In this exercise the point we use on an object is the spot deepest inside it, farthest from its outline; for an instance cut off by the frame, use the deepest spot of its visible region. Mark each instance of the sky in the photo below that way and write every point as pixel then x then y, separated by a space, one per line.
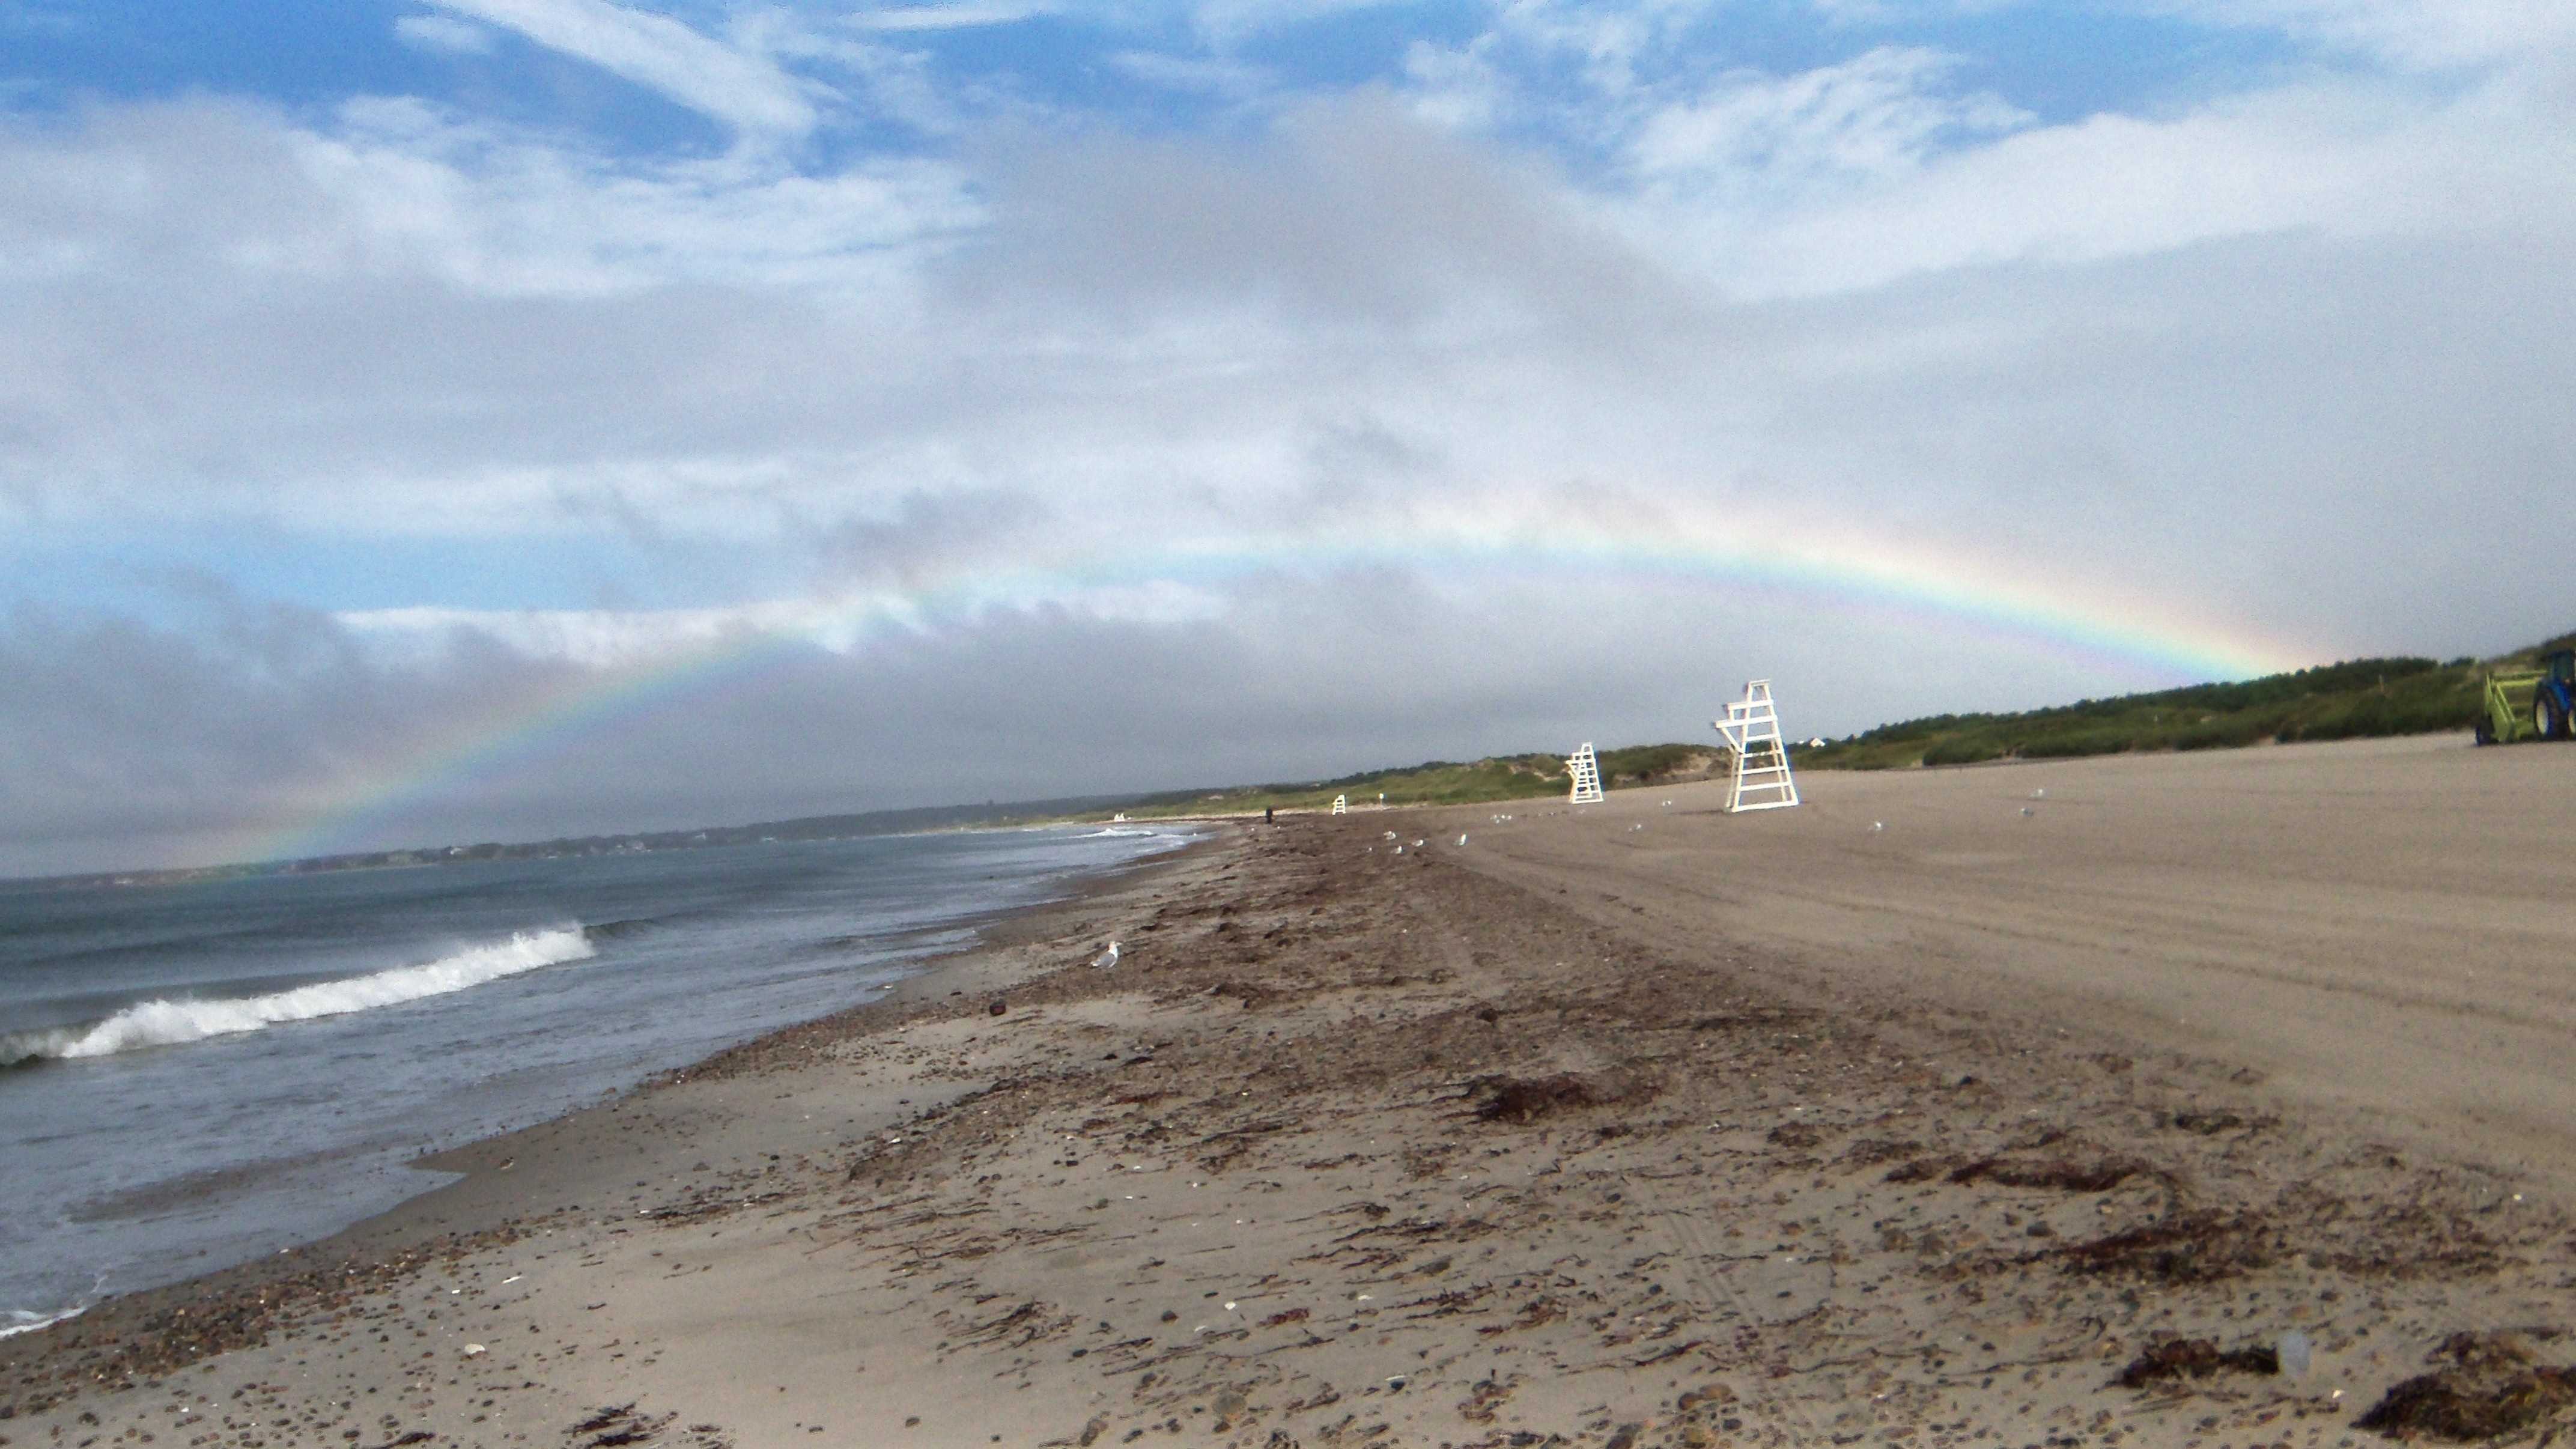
pixel 428 421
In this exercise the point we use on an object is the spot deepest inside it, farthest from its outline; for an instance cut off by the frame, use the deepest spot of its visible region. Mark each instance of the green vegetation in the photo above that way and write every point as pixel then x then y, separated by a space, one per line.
pixel 2362 697
pixel 2354 699
pixel 1443 782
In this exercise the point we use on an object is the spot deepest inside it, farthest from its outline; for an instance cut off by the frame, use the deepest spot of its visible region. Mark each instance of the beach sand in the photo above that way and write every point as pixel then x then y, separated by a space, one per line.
pixel 2045 1104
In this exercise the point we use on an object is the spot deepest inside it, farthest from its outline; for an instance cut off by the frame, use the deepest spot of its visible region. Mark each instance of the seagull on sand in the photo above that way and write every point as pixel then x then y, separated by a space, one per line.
pixel 1108 957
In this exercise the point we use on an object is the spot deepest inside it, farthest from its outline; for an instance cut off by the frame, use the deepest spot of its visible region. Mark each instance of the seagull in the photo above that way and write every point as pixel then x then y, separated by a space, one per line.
pixel 1108 957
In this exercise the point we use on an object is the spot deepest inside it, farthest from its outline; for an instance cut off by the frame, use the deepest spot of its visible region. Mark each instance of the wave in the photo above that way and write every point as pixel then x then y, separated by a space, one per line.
pixel 15 1321
pixel 19 1320
pixel 1113 830
pixel 632 926
pixel 168 1023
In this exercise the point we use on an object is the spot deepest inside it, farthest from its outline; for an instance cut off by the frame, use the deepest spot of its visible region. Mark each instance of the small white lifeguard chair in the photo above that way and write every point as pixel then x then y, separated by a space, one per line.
pixel 1752 730
pixel 1341 804
pixel 1584 768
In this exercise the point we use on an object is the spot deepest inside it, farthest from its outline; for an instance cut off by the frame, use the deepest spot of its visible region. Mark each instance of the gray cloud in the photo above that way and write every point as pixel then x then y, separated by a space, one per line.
pixel 161 744
pixel 1340 344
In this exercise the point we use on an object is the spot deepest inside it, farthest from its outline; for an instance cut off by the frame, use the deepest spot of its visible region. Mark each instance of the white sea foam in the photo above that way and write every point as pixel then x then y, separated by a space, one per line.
pixel 19 1320
pixel 166 1023
pixel 1113 830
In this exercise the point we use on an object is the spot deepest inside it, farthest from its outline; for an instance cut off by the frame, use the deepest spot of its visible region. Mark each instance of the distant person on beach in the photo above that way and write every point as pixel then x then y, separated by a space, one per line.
pixel 1267 814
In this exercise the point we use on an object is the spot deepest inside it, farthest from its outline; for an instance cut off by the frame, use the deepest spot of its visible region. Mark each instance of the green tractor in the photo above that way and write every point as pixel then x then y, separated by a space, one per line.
pixel 2532 704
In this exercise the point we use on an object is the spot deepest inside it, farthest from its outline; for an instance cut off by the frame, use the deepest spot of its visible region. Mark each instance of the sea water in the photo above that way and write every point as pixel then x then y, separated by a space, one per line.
pixel 195 1075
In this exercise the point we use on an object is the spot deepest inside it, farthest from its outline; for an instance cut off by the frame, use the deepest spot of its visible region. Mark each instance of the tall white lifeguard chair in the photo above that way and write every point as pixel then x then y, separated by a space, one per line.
pixel 1341 804
pixel 1752 730
pixel 1584 768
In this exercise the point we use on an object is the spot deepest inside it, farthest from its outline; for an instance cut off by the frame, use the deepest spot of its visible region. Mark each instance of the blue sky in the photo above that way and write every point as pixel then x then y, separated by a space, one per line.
pixel 1149 69
pixel 387 372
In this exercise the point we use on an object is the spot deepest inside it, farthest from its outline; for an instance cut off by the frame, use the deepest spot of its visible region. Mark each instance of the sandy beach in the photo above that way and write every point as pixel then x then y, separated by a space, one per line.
pixel 2205 1100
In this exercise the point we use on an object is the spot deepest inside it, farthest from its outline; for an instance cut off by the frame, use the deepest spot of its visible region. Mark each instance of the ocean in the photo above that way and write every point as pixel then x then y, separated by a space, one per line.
pixel 192 1076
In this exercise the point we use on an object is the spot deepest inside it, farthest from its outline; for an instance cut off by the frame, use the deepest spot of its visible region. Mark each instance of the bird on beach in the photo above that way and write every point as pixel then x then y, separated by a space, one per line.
pixel 1108 957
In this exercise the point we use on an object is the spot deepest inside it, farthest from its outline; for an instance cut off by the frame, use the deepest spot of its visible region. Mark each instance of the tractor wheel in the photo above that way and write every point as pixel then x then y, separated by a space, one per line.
pixel 2544 721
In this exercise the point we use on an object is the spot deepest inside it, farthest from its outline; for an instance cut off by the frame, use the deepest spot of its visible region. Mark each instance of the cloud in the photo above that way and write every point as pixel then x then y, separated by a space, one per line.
pixel 2331 156
pixel 742 89
pixel 1225 79
pixel 1542 393
pixel 1225 25
pixel 260 729
pixel 1874 117
pixel 1456 88
pixel 967 16
pixel 222 263
pixel 2431 34
pixel 166 743
pixel 439 32
pixel 1891 12
pixel 1350 214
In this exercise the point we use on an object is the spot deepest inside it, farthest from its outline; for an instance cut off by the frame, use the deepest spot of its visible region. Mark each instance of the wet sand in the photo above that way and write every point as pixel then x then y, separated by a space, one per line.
pixel 2025 1105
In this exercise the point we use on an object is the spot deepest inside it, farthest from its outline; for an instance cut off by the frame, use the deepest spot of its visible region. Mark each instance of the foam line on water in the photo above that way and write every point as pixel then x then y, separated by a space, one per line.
pixel 168 1023
pixel 20 1321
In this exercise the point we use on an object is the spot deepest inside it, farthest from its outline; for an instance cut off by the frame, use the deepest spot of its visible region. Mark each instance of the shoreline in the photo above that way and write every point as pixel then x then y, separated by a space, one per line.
pixel 392 1228
pixel 1510 1143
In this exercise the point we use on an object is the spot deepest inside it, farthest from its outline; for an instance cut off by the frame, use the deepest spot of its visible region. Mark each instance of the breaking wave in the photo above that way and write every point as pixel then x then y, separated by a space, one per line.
pixel 18 1320
pixel 1114 830
pixel 168 1023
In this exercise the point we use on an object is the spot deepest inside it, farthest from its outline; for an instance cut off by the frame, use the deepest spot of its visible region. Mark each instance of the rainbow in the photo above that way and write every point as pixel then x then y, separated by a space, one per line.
pixel 2132 640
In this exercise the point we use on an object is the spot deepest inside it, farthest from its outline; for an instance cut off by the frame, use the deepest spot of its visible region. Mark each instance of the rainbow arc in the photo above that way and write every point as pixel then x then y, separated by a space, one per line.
pixel 1973 598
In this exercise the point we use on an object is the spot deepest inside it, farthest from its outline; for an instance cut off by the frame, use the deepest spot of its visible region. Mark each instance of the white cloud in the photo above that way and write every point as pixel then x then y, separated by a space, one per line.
pixel 1224 25
pixel 1877 116
pixel 2337 157
pixel 744 90
pixel 1616 46
pixel 1890 12
pixel 1224 79
pixel 964 16
pixel 837 623
pixel 499 211
pixel 1457 88
pixel 443 33
pixel 2414 33
pixel 1274 428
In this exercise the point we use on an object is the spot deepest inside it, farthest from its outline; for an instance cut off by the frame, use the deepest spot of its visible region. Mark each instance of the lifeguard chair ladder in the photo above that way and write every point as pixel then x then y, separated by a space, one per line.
pixel 1584 768
pixel 1341 804
pixel 1752 730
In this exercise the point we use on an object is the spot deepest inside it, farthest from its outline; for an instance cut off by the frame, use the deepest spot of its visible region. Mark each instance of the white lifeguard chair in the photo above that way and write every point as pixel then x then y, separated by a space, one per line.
pixel 1584 768
pixel 1752 730
pixel 1341 804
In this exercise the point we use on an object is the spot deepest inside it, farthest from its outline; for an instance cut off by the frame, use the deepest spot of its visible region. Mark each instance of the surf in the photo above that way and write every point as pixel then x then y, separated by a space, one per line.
pixel 167 1022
